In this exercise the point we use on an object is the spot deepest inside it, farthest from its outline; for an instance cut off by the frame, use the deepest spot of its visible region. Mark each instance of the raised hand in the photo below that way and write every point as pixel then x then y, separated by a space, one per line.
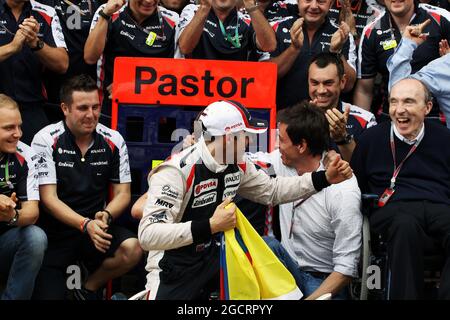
pixel 18 41
pixel 415 33
pixel 338 170
pixel 113 6
pixel 30 29
pixel 331 154
pixel 206 3
pixel 296 32
pixel 444 48
pixel 339 38
pixel 346 15
pixel 337 122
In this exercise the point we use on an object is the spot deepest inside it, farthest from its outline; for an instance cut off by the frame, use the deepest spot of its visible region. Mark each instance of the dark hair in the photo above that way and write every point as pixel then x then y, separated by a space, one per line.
pixel 323 59
pixel 306 121
pixel 81 82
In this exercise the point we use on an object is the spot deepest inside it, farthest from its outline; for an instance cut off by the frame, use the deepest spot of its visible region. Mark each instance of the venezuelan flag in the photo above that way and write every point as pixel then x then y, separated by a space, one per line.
pixel 249 270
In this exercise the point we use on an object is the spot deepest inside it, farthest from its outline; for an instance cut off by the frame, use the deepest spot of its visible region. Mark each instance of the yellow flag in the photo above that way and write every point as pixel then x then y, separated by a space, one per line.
pixel 253 270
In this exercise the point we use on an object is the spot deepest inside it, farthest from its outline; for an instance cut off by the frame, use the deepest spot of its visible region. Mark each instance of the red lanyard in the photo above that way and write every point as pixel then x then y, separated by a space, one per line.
pixel 397 169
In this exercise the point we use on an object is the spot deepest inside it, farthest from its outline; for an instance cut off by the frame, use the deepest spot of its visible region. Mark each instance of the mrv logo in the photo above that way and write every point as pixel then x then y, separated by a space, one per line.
pixel 163 203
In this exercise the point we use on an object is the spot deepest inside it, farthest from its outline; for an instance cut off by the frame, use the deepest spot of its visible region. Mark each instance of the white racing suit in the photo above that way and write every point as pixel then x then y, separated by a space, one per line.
pixel 183 194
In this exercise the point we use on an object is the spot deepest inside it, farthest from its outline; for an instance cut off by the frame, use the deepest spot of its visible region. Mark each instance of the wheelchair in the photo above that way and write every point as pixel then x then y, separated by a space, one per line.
pixel 374 257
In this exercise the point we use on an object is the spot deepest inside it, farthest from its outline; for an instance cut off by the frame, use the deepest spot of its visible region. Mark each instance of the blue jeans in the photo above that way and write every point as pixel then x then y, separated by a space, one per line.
pixel 306 282
pixel 21 252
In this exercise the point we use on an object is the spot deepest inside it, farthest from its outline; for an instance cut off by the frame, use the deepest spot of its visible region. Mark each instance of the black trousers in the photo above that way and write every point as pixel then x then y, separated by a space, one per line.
pixel 410 229
pixel 192 278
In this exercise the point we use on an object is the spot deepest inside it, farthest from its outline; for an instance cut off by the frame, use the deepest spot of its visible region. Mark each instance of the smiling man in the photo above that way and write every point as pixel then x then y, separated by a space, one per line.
pixel 321 233
pixel 298 39
pixel 216 29
pixel 135 28
pixel 22 244
pixel 82 158
pixel 326 80
pixel 31 41
pixel 415 198
pixel 185 208
pixel 381 37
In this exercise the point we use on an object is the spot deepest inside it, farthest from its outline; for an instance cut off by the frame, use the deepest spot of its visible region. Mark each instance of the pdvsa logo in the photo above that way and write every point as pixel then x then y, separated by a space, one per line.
pixel 205 186
pixel 234 126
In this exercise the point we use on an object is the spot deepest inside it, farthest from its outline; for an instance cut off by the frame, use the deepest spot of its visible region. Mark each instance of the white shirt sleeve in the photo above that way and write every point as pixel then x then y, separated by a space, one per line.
pixel 42 145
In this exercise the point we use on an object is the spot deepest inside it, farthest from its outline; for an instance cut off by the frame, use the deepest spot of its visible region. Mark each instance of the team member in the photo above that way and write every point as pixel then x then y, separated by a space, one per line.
pixel 30 40
pixel 326 80
pixel 82 158
pixel 187 196
pixel 381 37
pixel 174 5
pixel 75 17
pixel 218 30
pixel 362 11
pixel 309 35
pixel 139 28
pixel 276 10
pixel 320 234
pixel 22 244
pixel 434 75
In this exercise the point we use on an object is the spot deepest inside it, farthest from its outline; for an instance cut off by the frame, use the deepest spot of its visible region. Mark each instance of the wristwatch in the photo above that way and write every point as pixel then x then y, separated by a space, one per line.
pixel 14 219
pixel 348 138
pixel 39 45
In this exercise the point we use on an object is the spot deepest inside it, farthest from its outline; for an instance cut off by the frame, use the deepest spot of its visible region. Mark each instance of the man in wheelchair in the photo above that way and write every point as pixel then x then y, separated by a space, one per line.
pixel 406 162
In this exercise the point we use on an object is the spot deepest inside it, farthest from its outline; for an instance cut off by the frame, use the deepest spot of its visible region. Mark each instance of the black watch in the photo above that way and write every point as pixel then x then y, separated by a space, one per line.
pixel 14 219
pixel 39 45
pixel 348 138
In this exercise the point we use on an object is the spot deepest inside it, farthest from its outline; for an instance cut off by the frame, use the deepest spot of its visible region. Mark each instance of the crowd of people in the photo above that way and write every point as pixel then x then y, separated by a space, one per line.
pixel 362 107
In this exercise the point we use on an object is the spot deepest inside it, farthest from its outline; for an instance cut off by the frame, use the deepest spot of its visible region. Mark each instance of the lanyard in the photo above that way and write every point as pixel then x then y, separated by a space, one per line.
pixel 391 28
pixel 233 40
pixel 294 207
pixel 161 37
pixel 397 169
pixel 6 29
pixel 7 183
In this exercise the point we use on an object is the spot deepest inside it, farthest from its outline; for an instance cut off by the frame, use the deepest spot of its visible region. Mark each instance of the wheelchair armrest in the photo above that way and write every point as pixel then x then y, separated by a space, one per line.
pixel 369 203
pixel 369 196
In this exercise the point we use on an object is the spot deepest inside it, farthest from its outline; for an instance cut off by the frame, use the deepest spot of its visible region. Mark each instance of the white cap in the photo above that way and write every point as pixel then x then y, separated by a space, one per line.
pixel 222 117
